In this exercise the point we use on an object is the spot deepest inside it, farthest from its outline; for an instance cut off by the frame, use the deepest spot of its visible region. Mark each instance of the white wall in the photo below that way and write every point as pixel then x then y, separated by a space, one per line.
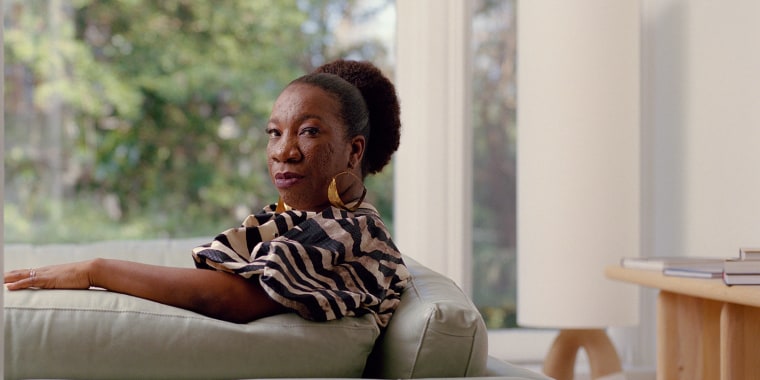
pixel 700 133
pixel 701 102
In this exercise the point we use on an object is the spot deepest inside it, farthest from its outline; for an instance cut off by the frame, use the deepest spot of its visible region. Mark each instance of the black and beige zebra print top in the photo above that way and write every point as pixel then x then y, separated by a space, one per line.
pixel 324 265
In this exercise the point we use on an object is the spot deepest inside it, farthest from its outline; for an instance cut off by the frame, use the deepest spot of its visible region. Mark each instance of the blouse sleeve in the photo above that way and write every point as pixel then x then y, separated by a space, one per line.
pixel 326 266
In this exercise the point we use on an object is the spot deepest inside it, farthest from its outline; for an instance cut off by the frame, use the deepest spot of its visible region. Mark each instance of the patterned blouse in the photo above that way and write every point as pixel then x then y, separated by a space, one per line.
pixel 323 265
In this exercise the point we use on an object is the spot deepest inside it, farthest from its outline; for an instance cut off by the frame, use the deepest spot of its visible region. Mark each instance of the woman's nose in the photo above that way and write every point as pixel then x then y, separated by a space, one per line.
pixel 287 149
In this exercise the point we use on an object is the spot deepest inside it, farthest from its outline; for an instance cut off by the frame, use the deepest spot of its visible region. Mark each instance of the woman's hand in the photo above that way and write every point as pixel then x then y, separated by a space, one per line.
pixel 64 276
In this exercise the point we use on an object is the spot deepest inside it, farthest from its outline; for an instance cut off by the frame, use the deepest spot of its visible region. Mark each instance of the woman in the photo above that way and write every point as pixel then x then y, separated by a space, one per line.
pixel 321 251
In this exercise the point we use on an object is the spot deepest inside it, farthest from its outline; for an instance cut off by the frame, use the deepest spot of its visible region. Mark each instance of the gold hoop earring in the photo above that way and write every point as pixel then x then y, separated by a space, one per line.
pixel 334 197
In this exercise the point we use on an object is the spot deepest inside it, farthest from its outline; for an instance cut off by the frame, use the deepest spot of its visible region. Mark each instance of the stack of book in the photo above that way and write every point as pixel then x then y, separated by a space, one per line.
pixel 698 267
pixel 744 270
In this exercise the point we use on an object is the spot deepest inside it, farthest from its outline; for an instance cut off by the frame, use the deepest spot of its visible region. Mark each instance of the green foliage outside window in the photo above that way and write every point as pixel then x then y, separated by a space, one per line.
pixel 144 119
pixel 494 157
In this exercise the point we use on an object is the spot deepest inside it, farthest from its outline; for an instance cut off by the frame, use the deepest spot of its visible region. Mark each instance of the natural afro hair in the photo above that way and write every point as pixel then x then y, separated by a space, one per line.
pixel 382 105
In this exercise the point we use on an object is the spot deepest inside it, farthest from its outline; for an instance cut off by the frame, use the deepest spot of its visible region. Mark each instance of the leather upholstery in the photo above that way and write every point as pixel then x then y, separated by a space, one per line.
pixel 436 331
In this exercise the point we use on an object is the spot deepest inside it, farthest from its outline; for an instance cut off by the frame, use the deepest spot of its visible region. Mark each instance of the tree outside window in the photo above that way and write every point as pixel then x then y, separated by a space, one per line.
pixel 144 119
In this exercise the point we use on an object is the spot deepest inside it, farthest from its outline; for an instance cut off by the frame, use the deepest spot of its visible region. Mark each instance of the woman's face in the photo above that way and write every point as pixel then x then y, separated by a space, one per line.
pixel 308 146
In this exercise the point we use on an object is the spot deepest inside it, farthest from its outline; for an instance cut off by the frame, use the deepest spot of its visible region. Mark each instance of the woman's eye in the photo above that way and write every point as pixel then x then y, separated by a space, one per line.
pixel 310 131
pixel 272 132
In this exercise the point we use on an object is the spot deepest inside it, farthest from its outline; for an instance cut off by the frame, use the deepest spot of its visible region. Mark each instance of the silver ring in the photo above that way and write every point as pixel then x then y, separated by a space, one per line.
pixel 32 274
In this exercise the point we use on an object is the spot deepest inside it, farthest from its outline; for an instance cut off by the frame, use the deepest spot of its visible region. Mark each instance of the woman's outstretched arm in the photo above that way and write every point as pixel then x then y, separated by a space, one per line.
pixel 218 295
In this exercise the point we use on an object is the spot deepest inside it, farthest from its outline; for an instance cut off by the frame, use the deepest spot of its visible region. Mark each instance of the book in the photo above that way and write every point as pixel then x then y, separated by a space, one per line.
pixel 709 264
pixel 710 271
pixel 735 266
pixel 741 279
pixel 749 254
pixel 734 271
pixel 744 270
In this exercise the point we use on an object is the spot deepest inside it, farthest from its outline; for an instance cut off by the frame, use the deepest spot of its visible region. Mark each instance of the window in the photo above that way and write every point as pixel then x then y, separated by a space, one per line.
pixel 449 55
pixel 494 174
pixel 144 119
pixel 455 169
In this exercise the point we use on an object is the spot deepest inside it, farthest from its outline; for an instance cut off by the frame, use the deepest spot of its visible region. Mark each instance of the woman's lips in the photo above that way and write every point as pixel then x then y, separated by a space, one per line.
pixel 287 179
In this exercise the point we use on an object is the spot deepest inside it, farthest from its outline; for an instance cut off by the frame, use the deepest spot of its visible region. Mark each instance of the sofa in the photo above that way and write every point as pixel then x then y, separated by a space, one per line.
pixel 96 334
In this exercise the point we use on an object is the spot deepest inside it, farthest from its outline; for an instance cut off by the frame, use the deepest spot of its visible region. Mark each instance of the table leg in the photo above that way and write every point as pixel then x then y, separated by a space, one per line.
pixel 688 337
pixel 740 342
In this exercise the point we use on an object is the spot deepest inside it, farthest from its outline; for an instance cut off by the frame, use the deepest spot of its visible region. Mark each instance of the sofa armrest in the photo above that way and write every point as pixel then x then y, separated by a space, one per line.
pixel 435 332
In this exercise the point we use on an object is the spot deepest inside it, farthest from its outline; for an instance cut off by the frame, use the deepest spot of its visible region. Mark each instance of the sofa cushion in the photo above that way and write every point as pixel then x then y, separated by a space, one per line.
pixel 436 332
pixel 101 334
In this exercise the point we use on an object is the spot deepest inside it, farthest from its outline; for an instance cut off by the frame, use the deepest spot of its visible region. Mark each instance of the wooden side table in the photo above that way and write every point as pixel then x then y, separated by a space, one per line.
pixel 705 329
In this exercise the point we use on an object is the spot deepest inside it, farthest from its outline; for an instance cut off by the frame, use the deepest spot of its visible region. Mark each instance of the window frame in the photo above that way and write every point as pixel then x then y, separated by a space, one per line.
pixel 2 190
pixel 432 166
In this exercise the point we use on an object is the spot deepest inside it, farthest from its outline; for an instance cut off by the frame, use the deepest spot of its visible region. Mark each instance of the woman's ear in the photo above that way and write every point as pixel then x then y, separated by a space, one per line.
pixel 358 144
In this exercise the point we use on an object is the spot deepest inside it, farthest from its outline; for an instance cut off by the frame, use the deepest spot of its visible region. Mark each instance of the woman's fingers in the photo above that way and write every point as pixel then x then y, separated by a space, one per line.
pixel 19 274
pixel 64 276
pixel 20 278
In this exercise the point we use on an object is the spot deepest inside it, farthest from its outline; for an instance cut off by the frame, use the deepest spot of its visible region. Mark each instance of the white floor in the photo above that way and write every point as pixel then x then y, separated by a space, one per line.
pixel 583 373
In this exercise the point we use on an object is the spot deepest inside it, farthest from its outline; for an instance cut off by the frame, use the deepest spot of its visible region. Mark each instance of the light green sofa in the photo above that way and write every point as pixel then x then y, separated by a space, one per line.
pixel 76 334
